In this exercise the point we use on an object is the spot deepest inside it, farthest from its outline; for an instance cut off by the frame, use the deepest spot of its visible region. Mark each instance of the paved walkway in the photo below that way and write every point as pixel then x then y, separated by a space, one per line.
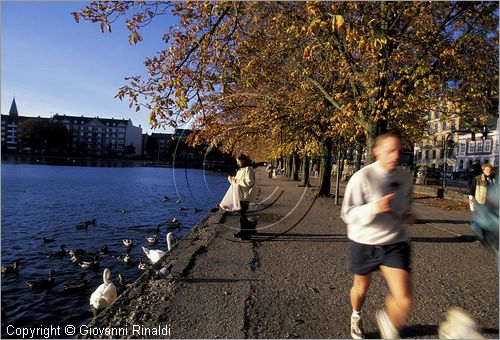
pixel 292 279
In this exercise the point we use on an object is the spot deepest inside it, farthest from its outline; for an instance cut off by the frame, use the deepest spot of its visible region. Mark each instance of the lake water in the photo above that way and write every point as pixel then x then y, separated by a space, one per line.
pixel 127 203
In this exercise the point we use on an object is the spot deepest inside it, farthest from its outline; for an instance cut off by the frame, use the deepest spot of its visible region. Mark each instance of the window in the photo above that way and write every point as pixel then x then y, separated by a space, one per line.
pixel 461 148
pixel 479 147
pixel 436 127
pixel 426 154
pixel 429 115
pixel 487 145
pixel 444 126
pixel 433 154
pixel 436 114
pixel 472 147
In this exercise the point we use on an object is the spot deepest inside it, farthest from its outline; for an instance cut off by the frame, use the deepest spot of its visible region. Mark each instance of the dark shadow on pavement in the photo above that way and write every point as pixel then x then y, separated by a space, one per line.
pixel 420 331
pixel 263 236
pixel 214 280
pixel 490 331
pixel 444 221
pixel 457 239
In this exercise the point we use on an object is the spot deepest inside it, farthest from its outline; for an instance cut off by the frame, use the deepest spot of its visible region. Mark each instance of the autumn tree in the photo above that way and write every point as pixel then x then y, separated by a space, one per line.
pixel 322 74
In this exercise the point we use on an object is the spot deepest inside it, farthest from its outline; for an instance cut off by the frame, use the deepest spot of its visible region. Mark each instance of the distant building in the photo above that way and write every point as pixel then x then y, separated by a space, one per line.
pixel 482 150
pixel 13 108
pixel 102 136
pixel 461 151
pixel 172 147
pixel 10 131
pixel 158 146
pixel 430 151
pixel 88 136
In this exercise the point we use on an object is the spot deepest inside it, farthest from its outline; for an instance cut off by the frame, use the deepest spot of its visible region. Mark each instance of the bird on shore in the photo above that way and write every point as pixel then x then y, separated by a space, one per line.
pixel 43 283
pixel 105 294
pixel 121 281
pixel 142 265
pixel 48 240
pixel 14 268
pixel 155 255
pixel 163 272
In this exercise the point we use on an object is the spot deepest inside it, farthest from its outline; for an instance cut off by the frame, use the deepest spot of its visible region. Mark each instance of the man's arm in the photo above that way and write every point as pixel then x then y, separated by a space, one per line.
pixel 355 208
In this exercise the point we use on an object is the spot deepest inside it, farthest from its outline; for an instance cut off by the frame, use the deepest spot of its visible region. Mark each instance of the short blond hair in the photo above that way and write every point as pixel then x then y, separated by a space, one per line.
pixel 488 165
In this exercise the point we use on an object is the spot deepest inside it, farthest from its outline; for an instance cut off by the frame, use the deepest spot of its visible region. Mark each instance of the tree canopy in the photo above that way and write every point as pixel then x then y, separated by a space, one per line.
pixel 273 78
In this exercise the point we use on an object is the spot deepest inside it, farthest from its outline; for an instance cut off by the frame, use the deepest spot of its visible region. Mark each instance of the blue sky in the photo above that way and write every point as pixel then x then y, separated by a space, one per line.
pixel 51 64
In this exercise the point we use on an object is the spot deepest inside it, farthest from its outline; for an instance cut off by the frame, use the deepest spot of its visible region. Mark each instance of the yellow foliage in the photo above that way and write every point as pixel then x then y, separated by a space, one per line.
pixel 337 22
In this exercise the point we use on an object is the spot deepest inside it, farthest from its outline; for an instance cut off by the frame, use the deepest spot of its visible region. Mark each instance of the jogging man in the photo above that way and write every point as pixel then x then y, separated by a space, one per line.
pixel 376 207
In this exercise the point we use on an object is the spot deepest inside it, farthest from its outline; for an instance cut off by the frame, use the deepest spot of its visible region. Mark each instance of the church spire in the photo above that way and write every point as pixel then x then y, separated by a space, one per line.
pixel 13 108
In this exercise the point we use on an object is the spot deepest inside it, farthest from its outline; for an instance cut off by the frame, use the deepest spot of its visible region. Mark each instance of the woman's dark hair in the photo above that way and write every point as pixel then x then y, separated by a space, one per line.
pixel 245 161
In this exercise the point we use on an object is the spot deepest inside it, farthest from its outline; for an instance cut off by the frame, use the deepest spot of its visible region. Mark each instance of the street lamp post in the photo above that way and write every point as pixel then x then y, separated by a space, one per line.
pixel 445 165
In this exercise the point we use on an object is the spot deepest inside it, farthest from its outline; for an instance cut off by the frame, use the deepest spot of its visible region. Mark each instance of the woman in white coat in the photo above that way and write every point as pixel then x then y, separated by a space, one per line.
pixel 245 178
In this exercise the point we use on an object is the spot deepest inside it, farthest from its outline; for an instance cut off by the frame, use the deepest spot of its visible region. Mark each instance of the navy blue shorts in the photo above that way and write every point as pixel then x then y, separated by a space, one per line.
pixel 366 258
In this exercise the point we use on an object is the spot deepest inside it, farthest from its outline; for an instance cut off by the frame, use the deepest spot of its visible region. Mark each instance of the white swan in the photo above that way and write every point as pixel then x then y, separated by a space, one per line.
pixel 156 254
pixel 105 294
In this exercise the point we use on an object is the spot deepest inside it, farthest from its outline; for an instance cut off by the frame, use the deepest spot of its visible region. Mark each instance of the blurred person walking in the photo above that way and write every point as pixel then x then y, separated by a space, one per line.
pixel 376 207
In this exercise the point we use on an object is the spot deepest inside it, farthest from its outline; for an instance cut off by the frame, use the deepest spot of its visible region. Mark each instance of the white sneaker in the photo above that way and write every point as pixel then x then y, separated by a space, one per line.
pixel 357 327
pixel 385 326
pixel 459 325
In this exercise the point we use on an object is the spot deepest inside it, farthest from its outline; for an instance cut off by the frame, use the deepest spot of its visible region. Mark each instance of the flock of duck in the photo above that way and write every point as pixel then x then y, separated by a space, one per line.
pixel 106 292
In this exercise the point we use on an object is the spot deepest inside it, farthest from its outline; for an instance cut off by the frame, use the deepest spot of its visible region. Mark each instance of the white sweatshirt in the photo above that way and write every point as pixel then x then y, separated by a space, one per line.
pixel 364 189
pixel 245 178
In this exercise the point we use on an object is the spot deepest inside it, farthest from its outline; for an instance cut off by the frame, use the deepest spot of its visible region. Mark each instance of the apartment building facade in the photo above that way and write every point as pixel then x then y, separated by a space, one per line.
pixel 89 136
pixel 102 136
pixel 446 141
pixel 483 149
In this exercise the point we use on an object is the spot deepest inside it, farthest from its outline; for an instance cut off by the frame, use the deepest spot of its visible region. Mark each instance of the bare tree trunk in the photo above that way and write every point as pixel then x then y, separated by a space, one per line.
pixel 295 166
pixel 325 167
pixel 359 156
pixel 372 130
pixel 305 171
pixel 337 182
